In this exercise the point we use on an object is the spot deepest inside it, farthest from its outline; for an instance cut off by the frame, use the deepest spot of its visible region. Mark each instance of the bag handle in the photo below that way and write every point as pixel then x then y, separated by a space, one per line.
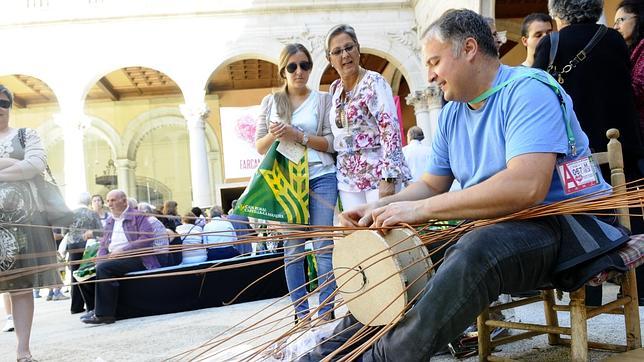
pixel 21 138
pixel 580 57
pixel 188 233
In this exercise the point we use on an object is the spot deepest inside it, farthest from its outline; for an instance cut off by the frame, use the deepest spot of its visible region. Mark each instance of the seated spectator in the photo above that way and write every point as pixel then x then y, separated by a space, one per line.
pixel 170 217
pixel 125 230
pixel 162 235
pixel 171 220
pixel 99 208
pixel 190 235
pixel 242 228
pixel 416 154
pixel 201 218
pixel 219 231
pixel 87 225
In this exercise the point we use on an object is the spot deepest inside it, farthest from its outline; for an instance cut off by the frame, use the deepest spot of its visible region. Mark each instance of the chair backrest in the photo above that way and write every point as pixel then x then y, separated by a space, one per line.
pixel 615 160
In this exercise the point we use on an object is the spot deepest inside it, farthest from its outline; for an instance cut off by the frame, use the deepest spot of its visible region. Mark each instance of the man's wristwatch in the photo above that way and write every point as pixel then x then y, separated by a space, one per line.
pixel 305 138
pixel 390 180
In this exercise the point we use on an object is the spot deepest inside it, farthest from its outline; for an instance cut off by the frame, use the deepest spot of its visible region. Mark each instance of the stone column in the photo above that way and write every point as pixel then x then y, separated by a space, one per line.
pixel 427 106
pixel 196 115
pixel 73 126
pixel 126 175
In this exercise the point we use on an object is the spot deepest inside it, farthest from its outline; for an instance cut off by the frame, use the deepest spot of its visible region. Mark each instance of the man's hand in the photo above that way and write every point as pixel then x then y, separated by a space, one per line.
pixel 358 217
pixel 89 234
pixel 386 189
pixel 410 212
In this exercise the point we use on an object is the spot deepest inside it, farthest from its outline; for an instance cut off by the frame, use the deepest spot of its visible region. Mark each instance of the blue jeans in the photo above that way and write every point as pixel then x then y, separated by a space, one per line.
pixel 322 199
pixel 502 258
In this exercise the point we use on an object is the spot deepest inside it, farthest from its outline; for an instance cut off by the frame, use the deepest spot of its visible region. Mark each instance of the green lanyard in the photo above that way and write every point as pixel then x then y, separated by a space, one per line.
pixel 549 82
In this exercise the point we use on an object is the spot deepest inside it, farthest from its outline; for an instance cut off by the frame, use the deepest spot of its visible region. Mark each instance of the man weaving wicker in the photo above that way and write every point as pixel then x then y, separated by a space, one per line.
pixel 512 140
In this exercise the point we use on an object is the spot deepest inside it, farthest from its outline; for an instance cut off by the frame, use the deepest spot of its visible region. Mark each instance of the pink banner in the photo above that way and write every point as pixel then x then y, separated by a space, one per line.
pixel 400 120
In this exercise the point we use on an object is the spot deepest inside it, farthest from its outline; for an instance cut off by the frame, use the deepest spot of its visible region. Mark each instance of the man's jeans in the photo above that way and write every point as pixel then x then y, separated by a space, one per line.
pixel 502 258
pixel 322 199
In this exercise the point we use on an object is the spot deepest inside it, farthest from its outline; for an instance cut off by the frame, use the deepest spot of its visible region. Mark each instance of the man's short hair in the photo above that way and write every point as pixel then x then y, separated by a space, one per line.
pixel 544 18
pixel 576 11
pixel 415 133
pixel 456 25
pixel 118 193
pixel 216 211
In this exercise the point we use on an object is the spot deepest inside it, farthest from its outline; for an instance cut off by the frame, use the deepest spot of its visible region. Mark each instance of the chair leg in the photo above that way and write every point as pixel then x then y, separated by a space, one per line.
pixel 483 335
pixel 631 311
pixel 551 315
pixel 578 325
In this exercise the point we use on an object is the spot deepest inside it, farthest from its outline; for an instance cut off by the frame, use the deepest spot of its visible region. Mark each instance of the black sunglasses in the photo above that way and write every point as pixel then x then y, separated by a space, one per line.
pixel 5 103
pixel 292 67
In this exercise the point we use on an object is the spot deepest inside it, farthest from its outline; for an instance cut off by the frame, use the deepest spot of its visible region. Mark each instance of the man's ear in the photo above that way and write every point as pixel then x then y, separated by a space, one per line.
pixel 470 48
pixel 524 41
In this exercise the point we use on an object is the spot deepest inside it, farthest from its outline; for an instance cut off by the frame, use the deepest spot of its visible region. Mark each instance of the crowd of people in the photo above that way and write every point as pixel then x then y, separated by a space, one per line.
pixel 502 135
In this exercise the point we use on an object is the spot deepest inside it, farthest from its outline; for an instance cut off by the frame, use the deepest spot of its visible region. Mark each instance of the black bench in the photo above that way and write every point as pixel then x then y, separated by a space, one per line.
pixel 179 293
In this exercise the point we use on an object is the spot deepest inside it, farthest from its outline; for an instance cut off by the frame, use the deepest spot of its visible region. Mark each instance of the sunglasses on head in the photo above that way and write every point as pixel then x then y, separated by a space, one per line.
pixel 5 103
pixel 292 67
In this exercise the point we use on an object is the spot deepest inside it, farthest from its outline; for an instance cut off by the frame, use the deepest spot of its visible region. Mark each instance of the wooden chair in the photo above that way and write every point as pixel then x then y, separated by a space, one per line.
pixel 627 304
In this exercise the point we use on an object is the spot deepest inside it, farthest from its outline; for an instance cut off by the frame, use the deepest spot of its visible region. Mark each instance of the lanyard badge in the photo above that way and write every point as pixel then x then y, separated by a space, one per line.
pixel 577 174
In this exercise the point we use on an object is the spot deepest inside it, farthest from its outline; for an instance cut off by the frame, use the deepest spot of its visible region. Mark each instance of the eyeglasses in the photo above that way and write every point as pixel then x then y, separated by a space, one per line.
pixel 623 19
pixel 292 67
pixel 338 51
pixel 5 103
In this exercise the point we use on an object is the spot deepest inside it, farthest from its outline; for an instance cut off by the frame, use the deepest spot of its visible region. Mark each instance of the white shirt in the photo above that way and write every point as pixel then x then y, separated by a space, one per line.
pixel 306 118
pixel 119 240
pixel 417 156
pixel 188 237
pixel 219 231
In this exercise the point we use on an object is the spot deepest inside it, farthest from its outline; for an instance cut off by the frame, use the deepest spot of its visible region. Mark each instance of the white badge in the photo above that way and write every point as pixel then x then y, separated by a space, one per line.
pixel 291 150
pixel 577 175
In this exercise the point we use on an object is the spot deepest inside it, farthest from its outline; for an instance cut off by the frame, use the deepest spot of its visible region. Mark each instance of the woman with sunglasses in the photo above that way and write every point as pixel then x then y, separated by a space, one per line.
pixel 364 118
pixel 301 115
pixel 26 241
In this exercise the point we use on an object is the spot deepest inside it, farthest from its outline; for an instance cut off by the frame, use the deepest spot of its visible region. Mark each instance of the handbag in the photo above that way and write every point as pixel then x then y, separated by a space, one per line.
pixel 48 195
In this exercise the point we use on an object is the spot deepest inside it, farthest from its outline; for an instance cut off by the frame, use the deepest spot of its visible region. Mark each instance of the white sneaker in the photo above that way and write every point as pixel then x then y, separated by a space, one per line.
pixel 8 325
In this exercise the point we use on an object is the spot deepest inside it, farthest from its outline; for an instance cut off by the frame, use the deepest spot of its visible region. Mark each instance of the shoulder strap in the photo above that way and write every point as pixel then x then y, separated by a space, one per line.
pixel 580 57
pixel 188 234
pixel 599 34
pixel 554 44
pixel 21 137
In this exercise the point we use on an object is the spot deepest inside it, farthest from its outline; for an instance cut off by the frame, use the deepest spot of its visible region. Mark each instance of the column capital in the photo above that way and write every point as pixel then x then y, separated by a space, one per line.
pixel 422 100
pixel 195 113
pixel 125 163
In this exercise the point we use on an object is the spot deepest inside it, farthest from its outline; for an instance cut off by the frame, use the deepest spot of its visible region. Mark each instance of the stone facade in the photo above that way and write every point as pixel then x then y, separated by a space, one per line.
pixel 71 44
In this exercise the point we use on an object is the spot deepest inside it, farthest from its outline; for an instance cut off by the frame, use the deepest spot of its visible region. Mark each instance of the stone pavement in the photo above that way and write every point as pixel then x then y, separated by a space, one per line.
pixel 59 336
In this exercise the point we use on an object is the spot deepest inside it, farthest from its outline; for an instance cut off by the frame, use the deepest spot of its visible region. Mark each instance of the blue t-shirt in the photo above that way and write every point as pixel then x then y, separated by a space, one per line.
pixel 523 117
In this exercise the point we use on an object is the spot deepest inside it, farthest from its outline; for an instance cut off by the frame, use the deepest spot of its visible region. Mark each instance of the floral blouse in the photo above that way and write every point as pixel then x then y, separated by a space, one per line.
pixel 367 135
